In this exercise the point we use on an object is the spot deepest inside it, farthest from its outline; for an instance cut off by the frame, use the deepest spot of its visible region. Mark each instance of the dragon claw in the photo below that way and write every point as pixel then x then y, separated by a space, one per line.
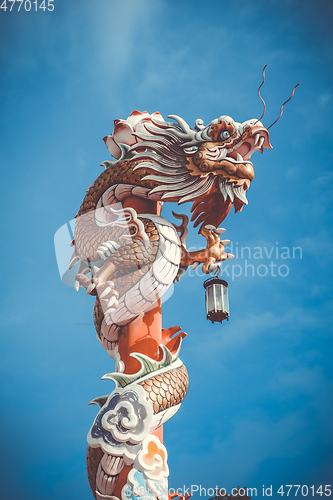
pixel 107 296
pixel 213 267
pixel 212 254
pixel 105 293
pixel 219 230
pixel 195 265
pixel 82 279
pixel 90 287
pixel 113 301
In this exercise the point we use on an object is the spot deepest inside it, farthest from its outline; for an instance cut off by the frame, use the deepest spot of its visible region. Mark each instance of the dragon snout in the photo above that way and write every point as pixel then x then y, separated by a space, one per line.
pixel 245 171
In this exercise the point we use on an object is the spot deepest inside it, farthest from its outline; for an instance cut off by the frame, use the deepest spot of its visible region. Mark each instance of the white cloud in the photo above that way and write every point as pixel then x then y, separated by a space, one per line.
pixel 324 98
pixel 119 28
pixel 319 244
pixel 290 329
pixel 258 438
pixel 299 380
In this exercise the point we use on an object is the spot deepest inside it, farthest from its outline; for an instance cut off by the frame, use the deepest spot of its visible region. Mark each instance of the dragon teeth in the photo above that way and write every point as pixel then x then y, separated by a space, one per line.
pixel 223 154
pixel 239 157
pixel 256 138
pixel 261 142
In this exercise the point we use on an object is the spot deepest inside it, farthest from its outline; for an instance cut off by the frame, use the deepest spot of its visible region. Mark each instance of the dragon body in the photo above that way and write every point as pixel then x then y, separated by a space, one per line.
pixel 128 257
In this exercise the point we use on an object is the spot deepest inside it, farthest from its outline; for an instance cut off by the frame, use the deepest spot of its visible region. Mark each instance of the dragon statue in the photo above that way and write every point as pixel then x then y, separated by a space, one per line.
pixel 128 255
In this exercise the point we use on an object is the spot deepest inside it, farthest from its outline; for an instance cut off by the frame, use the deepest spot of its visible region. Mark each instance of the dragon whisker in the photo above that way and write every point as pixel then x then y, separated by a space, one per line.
pixel 283 105
pixel 262 83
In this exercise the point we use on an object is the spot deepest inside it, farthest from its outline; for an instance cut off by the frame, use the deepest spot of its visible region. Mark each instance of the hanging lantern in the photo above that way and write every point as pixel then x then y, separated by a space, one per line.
pixel 217 304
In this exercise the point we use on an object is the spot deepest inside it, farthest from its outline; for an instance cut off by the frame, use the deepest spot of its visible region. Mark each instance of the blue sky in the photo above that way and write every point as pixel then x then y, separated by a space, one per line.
pixel 259 405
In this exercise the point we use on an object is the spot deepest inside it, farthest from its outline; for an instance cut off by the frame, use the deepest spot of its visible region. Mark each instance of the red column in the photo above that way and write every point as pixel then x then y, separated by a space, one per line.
pixel 144 333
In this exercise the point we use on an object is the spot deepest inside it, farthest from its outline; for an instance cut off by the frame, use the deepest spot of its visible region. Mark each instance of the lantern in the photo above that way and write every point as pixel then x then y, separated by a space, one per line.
pixel 217 304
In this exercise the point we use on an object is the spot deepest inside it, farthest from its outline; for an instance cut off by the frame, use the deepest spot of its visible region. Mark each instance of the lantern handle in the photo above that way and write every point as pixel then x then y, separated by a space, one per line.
pixel 217 272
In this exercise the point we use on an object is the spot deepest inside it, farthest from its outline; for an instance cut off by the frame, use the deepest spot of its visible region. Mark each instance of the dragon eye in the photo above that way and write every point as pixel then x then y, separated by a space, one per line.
pixel 225 134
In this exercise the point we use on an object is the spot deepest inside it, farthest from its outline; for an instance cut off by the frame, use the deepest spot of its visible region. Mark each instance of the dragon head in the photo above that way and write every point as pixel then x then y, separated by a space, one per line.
pixel 207 165
pixel 221 152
